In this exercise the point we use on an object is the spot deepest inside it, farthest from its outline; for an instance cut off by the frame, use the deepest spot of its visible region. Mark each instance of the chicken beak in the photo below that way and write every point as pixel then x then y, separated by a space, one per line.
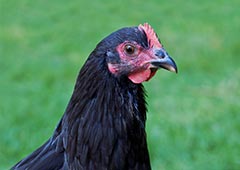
pixel 163 60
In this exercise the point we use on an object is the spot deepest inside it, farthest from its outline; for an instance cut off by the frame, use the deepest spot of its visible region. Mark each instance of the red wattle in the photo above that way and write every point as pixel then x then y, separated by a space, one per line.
pixel 141 76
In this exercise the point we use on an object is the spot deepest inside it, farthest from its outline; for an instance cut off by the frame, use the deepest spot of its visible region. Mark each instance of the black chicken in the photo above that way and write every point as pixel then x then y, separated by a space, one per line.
pixel 103 127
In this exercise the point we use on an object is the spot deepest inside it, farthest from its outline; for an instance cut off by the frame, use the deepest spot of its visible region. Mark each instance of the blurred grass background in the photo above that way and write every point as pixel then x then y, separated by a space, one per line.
pixel 193 120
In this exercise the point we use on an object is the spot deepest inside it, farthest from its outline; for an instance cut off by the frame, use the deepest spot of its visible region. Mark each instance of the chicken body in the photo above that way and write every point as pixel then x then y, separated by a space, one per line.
pixel 103 127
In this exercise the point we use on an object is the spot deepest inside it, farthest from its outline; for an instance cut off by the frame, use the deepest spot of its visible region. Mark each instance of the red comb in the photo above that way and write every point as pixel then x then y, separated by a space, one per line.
pixel 151 35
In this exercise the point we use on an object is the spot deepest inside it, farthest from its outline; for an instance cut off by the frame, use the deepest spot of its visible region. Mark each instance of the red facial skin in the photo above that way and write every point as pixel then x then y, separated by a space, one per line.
pixel 137 65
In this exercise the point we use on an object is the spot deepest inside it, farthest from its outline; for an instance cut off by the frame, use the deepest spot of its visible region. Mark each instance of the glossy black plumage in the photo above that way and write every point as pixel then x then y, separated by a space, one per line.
pixel 103 126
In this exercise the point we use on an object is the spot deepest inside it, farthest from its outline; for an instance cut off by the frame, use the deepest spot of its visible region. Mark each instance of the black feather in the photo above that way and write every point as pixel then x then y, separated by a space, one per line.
pixel 103 126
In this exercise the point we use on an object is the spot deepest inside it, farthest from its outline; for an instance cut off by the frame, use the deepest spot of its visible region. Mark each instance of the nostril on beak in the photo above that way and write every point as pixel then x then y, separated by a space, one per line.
pixel 160 53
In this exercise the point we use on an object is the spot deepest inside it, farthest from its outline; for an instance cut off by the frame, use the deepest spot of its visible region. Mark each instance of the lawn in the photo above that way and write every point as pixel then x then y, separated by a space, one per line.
pixel 193 118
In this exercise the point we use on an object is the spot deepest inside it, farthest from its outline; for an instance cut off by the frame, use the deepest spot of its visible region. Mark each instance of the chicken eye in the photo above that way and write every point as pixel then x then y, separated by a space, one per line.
pixel 130 49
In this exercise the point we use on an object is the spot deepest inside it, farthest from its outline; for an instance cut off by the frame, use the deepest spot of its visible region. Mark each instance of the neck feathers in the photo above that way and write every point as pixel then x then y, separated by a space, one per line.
pixel 98 90
pixel 104 118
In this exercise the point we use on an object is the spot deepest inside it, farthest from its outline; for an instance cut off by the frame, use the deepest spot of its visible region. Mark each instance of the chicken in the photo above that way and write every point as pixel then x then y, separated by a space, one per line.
pixel 103 127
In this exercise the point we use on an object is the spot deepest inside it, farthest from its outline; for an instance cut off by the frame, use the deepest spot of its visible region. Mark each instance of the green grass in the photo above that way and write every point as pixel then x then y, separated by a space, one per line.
pixel 193 120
